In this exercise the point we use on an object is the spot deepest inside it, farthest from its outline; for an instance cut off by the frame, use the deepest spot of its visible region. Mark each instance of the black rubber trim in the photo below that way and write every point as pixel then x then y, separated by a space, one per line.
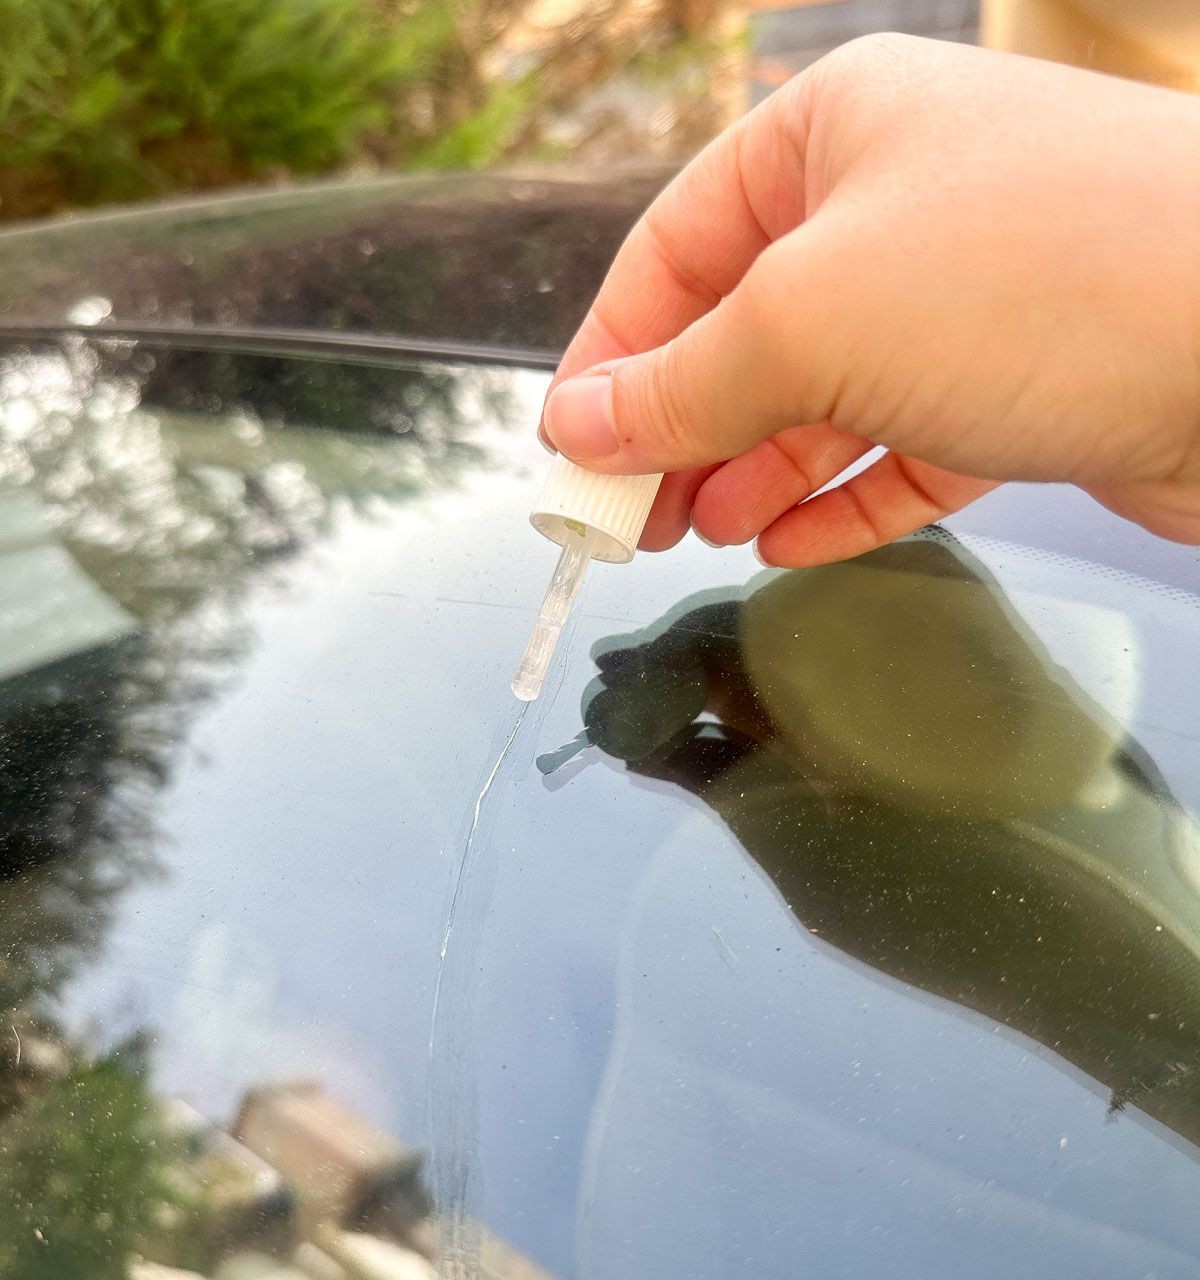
pixel 361 348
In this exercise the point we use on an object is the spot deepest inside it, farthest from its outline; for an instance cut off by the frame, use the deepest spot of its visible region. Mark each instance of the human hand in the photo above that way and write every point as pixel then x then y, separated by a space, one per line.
pixel 990 265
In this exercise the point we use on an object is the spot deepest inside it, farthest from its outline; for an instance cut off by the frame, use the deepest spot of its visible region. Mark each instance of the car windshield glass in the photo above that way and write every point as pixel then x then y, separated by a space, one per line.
pixel 843 921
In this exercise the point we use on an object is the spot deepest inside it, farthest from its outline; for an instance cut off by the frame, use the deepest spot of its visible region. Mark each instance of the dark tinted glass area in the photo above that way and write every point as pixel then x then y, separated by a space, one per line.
pixel 481 258
pixel 843 922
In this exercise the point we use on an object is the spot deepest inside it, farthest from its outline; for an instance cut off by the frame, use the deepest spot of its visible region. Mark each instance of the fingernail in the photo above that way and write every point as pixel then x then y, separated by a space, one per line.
pixel 758 555
pixel 716 546
pixel 578 417
pixel 544 441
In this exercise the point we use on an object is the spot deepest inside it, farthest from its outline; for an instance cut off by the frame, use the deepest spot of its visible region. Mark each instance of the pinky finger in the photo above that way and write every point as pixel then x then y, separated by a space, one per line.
pixel 895 496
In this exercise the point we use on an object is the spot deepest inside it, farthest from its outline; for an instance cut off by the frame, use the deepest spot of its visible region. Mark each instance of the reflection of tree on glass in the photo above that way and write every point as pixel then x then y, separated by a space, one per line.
pixel 142 500
pixel 140 503
pixel 933 796
pixel 85 1172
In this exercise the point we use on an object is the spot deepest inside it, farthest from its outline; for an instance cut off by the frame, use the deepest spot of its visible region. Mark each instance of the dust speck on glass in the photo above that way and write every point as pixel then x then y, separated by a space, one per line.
pixel 842 922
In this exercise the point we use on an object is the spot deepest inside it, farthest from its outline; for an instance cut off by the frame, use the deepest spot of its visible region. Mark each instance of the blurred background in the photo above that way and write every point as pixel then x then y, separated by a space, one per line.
pixel 107 101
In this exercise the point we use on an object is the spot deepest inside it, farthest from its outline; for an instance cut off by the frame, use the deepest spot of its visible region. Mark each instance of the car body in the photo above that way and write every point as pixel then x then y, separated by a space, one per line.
pixel 839 923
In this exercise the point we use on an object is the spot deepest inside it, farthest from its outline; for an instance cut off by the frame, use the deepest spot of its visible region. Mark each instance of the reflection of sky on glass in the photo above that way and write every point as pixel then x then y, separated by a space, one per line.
pixel 675 1078
pixel 874 1133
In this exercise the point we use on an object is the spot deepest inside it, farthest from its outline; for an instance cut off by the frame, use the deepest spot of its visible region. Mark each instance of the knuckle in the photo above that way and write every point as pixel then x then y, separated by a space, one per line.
pixel 867 52
pixel 859 85
pixel 649 408
pixel 665 409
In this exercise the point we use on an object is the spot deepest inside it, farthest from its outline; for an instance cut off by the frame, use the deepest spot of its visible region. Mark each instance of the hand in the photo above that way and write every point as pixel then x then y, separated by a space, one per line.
pixel 990 265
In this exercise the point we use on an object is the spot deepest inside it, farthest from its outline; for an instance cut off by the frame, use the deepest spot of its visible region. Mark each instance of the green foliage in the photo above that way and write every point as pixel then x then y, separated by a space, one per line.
pixel 688 55
pixel 82 1174
pixel 109 99
pixel 113 100
pixel 486 133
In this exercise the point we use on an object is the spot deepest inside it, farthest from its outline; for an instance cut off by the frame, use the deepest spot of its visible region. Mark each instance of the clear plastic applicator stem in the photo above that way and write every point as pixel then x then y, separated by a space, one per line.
pixel 556 605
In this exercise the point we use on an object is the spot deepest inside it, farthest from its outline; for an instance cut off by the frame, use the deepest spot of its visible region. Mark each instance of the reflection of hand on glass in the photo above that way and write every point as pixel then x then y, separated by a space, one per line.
pixel 901 676
pixel 931 795
pixel 984 262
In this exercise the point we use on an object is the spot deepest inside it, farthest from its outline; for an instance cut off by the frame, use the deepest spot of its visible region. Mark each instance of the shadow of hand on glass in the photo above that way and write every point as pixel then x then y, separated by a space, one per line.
pixel 935 797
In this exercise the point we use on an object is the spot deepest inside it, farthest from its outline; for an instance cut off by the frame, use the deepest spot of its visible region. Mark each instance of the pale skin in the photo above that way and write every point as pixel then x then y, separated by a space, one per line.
pixel 988 264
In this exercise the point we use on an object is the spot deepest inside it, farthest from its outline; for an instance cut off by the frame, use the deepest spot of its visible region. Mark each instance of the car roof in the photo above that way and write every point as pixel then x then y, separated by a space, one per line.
pixel 465 261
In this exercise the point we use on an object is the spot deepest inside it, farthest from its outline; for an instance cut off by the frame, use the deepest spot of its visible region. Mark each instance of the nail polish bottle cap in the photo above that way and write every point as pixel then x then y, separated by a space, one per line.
pixel 573 500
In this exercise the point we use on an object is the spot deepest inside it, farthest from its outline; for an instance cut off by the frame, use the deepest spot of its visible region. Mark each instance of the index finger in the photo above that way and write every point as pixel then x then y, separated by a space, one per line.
pixel 699 236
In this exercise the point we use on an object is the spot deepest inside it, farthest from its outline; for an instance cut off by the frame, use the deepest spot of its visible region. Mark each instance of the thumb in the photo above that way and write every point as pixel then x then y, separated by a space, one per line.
pixel 740 374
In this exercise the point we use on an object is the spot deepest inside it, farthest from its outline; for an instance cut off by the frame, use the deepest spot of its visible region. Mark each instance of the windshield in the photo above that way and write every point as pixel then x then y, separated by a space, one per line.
pixel 844 921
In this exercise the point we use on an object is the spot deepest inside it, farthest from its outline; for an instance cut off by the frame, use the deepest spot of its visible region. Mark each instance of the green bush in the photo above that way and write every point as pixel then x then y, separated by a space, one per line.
pixel 112 100
pixel 83 1174
pixel 106 100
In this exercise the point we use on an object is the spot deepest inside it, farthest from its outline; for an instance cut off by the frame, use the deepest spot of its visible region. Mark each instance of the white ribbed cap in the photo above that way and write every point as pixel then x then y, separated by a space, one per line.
pixel 615 506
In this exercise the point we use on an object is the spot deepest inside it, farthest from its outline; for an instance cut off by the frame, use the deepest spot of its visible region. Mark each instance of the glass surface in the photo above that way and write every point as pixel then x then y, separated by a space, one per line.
pixel 841 923
pixel 483 258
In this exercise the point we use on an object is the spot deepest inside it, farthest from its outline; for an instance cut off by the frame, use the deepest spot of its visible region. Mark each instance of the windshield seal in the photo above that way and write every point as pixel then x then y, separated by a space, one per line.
pixel 352 347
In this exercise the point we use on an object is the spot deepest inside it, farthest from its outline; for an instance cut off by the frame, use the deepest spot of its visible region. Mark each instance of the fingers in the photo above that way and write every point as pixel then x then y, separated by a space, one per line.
pixel 699 237
pixel 772 353
pixel 1170 509
pixel 671 514
pixel 895 496
pixel 749 493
